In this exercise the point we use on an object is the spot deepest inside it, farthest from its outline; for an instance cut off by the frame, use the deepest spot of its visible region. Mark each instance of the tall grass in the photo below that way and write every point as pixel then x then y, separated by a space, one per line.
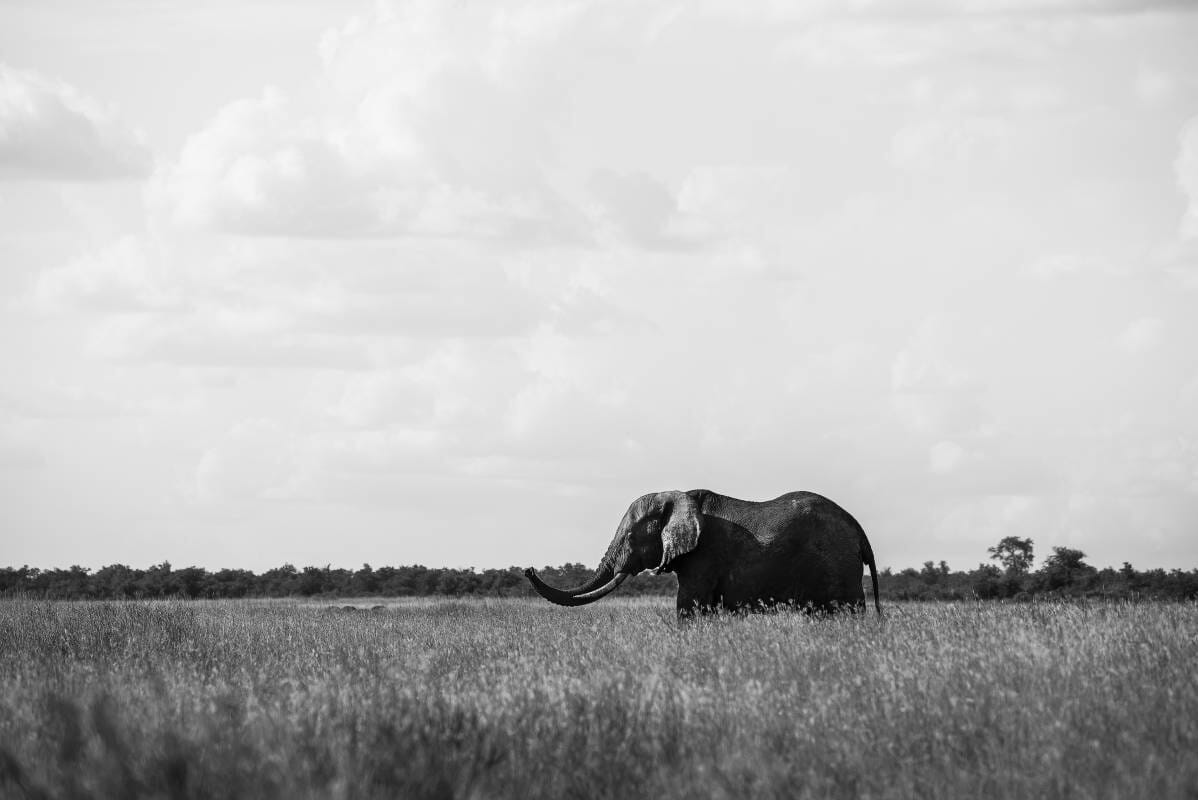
pixel 523 699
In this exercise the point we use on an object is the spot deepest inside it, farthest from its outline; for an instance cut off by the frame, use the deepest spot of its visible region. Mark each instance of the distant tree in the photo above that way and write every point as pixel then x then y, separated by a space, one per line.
pixel 16 580
pixel 186 582
pixel 1067 558
pixel 278 582
pixel 986 581
pixel 230 583
pixel 448 582
pixel 313 580
pixel 1182 585
pixel 422 580
pixel 69 584
pixel 155 581
pixel 115 581
pixel 1064 568
pixel 1014 554
pixel 909 584
pixel 987 571
pixel 338 581
pixel 503 582
pixel 364 581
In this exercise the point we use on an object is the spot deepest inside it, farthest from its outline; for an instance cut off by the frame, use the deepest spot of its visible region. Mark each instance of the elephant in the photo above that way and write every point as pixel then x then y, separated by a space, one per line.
pixel 799 549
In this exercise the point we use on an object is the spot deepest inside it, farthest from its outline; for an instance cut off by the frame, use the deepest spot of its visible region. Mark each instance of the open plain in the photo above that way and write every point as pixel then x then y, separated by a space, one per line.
pixel 510 698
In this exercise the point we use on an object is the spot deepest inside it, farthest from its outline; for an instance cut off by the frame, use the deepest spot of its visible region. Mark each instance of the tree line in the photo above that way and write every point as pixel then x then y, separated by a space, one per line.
pixel 118 581
pixel 1064 573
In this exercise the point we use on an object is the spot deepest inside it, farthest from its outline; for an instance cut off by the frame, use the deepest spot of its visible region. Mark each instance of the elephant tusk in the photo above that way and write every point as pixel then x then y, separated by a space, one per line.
pixel 580 597
pixel 604 589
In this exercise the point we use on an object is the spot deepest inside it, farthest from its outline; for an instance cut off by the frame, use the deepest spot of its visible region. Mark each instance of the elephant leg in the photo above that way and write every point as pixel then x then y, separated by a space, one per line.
pixel 689 609
pixel 826 608
pixel 695 597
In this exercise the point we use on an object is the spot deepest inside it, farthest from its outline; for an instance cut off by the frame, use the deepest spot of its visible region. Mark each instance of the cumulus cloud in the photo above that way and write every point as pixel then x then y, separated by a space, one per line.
pixel 433 124
pixel 260 168
pixel 50 130
pixel 253 169
pixel 639 206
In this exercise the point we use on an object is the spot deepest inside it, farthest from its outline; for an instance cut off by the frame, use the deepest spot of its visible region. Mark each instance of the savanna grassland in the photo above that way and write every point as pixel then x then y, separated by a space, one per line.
pixel 523 699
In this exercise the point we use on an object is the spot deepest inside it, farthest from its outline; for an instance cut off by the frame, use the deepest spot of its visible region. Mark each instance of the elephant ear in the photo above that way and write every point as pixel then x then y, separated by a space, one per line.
pixel 680 533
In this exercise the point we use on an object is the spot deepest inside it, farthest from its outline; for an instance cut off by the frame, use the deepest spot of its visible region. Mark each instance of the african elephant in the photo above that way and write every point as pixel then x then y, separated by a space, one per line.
pixel 799 548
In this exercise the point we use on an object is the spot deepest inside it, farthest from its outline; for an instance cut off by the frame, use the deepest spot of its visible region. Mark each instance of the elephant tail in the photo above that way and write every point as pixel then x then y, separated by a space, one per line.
pixel 867 556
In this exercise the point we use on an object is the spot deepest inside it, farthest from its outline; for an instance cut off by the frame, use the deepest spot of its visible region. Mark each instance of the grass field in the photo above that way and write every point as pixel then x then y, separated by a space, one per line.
pixel 521 699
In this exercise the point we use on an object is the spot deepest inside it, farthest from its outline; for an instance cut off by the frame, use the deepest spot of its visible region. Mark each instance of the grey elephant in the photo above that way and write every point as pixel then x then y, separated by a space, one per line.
pixel 800 549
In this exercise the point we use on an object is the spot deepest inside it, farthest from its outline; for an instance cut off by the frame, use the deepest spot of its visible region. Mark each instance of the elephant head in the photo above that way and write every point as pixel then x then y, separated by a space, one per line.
pixel 656 529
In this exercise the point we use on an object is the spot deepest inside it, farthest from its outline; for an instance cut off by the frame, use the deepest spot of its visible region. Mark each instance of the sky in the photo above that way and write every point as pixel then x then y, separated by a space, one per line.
pixel 453 283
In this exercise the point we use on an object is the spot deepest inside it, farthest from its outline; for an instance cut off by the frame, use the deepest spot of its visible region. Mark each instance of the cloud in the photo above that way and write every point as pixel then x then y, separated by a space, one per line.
pixel 933 145
pixel 639 206
pixel 51 131
pixel 185 302
pixel 933 392
pixel 1154 86
pixel 557 255
pixel 215 301
pixel 1059 265
pixel 467 299
pixel 1141 336
pixel 435 416
pixel 378 398
pixel 254 460
pixel 906 11
pixel 458 388
pixel 127 275
pixel 1187 177
pixel 944 457
pixel 59 401
pixel 986 519
pixel 433 124
pixel 1179 259
pixel 19 448
pixel 717 203
pixel 217 337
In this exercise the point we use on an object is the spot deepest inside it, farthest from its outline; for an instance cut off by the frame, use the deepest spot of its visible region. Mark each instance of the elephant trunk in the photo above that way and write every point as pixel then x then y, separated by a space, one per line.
pixel 599 586
pixel 612 571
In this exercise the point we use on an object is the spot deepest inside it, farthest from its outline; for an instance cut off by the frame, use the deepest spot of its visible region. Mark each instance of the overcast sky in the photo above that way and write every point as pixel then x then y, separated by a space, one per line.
pixel 453 283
